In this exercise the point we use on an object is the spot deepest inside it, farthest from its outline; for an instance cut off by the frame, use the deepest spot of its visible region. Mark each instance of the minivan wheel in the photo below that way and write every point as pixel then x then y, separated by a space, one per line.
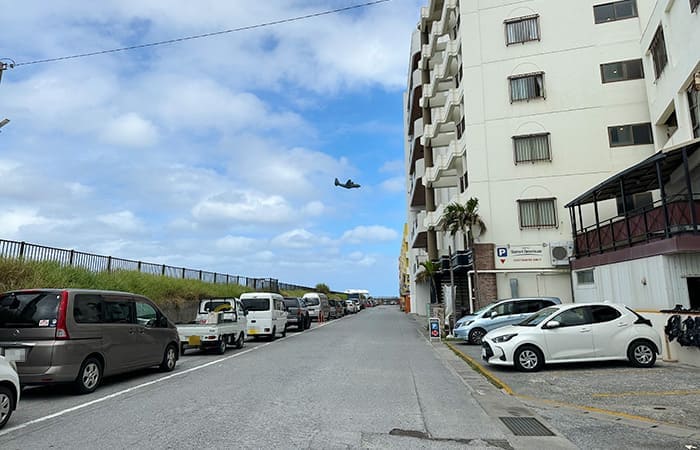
pixel 240 342
pixel 641 354
pixel 274 334
pixel 89 376
pixel 169 358
pixel 476 335
pixel 528 359
pixel 6 402
pixel 284 332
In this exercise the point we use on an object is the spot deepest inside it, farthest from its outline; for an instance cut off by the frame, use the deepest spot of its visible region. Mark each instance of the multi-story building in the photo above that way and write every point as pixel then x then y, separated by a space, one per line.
pixel 645 250
pixel 522 105
pixel 404 275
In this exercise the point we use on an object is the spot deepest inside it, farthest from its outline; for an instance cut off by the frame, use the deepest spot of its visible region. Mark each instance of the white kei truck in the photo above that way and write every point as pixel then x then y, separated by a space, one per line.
pixel 220 322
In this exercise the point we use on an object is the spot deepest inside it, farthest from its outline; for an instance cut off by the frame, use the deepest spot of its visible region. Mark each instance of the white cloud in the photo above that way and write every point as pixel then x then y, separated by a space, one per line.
pixel 244 207
pixel 396 165
pixel 14 220
pixel 395 184
pixel 369 233
pixel 123 221
pixel 130 130
pixel 236 244
pixel 314 208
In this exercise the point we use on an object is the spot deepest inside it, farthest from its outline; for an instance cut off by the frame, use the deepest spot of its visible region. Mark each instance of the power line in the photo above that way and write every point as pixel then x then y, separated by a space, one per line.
pixel 205 35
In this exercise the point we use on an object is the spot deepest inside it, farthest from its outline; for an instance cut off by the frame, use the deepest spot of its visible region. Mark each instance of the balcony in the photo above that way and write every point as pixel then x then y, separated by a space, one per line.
pixel 418 236
pixel 441 175
pixel 668 225
pixel 433 219
pixel 449 65
pixel 452 110
pixel 417 189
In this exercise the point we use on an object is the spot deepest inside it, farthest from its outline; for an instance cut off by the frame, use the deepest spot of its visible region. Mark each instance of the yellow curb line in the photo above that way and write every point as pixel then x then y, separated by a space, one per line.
pixel 493 379
pixel 648 393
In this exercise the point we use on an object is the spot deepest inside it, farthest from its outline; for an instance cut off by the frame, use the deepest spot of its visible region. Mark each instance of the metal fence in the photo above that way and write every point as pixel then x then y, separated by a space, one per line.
pixel 101 263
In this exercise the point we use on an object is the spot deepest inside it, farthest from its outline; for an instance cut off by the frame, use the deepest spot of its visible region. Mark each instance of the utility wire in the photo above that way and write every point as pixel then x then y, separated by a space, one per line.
pixel 205 35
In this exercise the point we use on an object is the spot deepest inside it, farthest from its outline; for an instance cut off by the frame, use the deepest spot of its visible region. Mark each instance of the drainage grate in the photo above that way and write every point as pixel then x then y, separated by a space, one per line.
pixel 526 426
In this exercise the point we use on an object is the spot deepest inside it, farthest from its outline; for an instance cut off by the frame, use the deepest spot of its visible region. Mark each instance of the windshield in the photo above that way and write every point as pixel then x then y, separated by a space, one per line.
pixel 291 302
pixel 256 304
pixel 28 309
pixel 311 301
pixel 538 317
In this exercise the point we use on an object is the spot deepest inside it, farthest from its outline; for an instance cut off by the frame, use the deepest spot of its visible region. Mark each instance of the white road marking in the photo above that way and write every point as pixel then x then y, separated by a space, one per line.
pixel 143 385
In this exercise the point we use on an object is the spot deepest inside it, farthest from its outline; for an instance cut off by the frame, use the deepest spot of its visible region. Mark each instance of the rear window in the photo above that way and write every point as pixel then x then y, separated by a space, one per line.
pixel 256 304
pixel 35 309
pixel 311 301
pixel 212 305
pixel 291 302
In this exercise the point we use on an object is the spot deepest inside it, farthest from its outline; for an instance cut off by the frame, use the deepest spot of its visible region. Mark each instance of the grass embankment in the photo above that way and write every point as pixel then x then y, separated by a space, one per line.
pixel 166 291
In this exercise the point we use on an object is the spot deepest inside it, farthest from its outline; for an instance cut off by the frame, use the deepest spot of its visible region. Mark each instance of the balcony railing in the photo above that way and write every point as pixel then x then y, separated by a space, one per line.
pixel 679 215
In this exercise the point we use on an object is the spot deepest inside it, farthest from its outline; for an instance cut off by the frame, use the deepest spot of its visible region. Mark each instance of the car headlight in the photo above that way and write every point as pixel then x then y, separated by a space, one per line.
pixel 504 338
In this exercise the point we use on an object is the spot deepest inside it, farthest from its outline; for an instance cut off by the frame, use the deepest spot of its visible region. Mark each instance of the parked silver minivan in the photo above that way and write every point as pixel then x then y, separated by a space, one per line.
pixel 79 336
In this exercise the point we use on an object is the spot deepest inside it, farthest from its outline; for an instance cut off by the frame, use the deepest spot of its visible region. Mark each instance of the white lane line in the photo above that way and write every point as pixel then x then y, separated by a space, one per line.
pixel 143 385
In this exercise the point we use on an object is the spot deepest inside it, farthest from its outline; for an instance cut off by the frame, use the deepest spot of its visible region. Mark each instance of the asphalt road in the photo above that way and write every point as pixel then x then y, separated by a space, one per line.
pixel 369 380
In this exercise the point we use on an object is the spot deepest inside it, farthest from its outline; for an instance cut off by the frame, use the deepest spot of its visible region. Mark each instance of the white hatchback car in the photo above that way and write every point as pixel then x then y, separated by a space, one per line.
pixel 577 332
pixel 9 390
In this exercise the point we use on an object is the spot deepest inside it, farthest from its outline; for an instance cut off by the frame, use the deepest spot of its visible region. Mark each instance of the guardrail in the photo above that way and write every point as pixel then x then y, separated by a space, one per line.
pixel 102 263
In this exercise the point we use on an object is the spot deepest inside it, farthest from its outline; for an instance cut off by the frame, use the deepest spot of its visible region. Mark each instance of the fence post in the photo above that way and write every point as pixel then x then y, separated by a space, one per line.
pixel 214 277
pixel 109 264
pixel 162 272
pixel 139 266
pixel 21 249
pixel 70 260
pixel 183 273
pixel 200 275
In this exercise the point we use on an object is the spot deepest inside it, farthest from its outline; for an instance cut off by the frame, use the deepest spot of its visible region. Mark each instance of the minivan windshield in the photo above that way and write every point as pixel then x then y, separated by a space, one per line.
pixel 311 301
pixel 256 304
pixel 538 317
pixel 28 309
pixel 292 302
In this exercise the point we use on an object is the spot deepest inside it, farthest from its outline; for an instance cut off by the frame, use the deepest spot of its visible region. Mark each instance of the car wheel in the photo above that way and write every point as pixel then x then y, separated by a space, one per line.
pixel 308 322
pixel 528 359
pixel 476 335
pixel 641 354
pixel 221 349
pixel 284 332
pixel 169 358
pixel 240 342
pixel 301 326
pixel 89 376
pixel 7 399
pixel 274 334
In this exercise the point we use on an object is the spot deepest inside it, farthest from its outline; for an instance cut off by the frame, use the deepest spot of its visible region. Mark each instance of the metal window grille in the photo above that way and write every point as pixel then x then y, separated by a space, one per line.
pixel 621 71
pixel 531 148
pixel 658 51
pixel 694 106
pixel 522 29
pixel 526 87
pixel 538 213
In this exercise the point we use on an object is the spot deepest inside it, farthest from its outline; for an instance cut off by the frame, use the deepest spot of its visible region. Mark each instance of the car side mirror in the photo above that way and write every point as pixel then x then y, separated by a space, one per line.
pixel 552 324
pixel 493 314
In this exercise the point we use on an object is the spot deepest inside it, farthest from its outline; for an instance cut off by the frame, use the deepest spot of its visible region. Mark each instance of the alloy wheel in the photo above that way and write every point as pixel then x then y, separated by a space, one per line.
pixel 5 406
pixel 528 359
pixel 91 375
pixel 643 354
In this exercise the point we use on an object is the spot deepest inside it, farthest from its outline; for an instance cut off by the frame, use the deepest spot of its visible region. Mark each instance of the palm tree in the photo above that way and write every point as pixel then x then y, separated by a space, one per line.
pixel 428 274
pixel 465 218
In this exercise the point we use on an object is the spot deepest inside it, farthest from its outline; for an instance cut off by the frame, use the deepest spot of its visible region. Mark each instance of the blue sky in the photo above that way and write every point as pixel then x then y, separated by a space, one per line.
pixel 216 154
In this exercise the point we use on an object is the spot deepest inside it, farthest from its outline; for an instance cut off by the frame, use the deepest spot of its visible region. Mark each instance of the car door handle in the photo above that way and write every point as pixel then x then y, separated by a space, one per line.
pixel 622 324
pixel 585 330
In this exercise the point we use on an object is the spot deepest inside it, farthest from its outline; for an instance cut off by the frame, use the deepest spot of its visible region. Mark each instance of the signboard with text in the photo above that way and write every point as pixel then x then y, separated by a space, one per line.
pixel 510 256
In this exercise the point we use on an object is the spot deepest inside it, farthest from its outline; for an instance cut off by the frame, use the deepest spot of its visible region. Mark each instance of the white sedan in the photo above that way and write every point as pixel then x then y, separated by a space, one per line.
pixel 9 389
pixel 577 332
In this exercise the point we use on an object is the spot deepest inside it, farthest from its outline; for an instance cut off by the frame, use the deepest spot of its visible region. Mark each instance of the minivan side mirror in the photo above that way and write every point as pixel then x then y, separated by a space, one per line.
pixel 493 314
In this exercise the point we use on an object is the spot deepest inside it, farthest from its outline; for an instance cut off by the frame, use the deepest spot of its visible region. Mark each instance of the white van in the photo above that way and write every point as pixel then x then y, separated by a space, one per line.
pixel 317 304
pixel 267 315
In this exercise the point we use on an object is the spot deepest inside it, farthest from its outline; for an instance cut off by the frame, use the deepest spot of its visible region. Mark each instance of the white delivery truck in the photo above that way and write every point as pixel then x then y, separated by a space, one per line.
pixel 220 322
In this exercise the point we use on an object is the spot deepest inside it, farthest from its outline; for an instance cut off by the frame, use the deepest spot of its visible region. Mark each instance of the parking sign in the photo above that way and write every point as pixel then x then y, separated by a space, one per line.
pixel 434 328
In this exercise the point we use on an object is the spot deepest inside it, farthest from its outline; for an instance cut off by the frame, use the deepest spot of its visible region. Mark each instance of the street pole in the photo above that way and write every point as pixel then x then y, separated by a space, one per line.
pixel 453 292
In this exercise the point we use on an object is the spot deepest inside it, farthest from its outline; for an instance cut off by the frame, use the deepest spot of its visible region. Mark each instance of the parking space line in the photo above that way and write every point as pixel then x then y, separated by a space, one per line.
pixel 648 393
pixel 142 385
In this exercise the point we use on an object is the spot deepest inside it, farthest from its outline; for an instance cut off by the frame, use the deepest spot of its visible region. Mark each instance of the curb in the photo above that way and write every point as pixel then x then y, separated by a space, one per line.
pixel 493 379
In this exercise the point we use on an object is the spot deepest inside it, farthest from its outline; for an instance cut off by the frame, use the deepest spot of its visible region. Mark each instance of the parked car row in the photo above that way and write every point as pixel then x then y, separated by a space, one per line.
pixel 529 332
pixel 79 336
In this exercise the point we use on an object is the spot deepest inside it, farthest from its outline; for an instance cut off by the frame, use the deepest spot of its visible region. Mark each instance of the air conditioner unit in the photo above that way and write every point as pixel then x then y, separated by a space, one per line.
pixel 560 252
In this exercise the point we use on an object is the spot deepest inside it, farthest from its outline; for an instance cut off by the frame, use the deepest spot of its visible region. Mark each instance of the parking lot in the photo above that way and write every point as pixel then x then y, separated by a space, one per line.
pixel 668 392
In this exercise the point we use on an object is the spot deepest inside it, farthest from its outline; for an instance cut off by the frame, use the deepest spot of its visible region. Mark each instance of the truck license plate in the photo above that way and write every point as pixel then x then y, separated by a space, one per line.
pixel 194 341
pixel 251 331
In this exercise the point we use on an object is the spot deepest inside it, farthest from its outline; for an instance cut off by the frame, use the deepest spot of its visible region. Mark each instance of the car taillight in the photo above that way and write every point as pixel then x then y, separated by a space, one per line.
pixel 61 329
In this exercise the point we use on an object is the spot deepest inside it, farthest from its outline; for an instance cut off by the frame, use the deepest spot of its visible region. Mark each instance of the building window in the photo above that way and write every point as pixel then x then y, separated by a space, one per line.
pixel 585 277
pixel 522 29
pixel 526 87
pixel 694 103
pixel 621 71
pixel 638 134
pixel 694 5
pixel 531 148
pixel 538 213
pixel 609 12
pixel 658 51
